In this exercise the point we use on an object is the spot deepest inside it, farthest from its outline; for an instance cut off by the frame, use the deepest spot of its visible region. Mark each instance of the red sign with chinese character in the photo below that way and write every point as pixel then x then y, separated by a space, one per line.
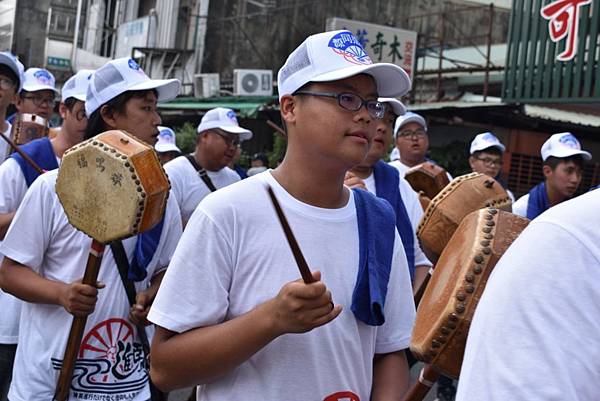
pixel 563 22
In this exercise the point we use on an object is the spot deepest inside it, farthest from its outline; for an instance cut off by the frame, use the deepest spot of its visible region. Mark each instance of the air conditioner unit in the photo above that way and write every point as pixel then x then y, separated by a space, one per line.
pixel 252 82
pixel 206 85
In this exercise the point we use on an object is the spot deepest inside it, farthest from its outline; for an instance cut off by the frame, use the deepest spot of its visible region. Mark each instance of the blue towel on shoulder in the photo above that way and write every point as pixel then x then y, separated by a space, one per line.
pixel 538 201
pixel 387 186
pixel 41 152
pixel 145 248
pixel 376 226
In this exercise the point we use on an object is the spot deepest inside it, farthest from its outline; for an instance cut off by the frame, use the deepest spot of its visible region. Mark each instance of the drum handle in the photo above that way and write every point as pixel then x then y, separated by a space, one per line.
pixel 427 378
pixel 24 155
pixel 90 277
pixel 418 294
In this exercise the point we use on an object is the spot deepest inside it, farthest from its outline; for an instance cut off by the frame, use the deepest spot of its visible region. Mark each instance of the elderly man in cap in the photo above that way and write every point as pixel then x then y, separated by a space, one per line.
pixel 563 161
pixel 196 175
pixel 486 157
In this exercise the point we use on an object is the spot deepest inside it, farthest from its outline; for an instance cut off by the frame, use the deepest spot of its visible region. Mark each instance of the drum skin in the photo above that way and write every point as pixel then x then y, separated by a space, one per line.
pixel 462 196
pixel 428 178
pixel 458 281
pixel 28 127
pixel 112 186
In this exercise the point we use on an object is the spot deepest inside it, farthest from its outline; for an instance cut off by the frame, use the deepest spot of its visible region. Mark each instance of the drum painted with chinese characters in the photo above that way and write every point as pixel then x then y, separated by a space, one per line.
pixel 458 281
pixel 462 196
pixel 112 186
pixel 428 178
pixel 28 127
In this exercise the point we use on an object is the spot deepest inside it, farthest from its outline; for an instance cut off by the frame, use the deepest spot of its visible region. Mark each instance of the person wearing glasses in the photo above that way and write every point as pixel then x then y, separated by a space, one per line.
pixel 412 141
pixel 197 175
pixel 486 158
pixel 16 175
pixel 38 95
pixel 11 79
pixel 563 161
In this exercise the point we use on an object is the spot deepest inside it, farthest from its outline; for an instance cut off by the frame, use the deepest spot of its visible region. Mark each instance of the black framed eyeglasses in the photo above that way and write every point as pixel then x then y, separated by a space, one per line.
pixel 488 161
pixel 231 140
pixel 418 133
pixel 41 100
pixel 6 84
pixel 351 102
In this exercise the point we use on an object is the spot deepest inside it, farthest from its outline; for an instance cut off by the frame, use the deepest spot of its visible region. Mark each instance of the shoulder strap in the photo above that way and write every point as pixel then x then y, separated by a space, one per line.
pixel 201 173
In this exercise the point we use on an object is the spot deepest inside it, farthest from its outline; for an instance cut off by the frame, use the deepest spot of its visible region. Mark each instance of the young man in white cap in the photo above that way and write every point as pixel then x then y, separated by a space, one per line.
pixel 412 141
pixel 11 79
pixel 45 257
pixel 376 176
pixel 563 161
pixel 166 146
pixel 204 171
pixel 486 157
pixel 38 93
pixel 534 335
pixel 250 329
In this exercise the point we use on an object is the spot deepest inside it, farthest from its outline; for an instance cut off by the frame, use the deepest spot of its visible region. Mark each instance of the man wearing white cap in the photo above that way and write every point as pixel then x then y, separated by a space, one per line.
pixel 45 257
pixel 195 176
pixel 11 79
pixel 379 178
pixel 486 157
pixel 412 141
pixel 16 175
pixel 563 161
pixel 166 146
pixel 38 93
pixel 233 314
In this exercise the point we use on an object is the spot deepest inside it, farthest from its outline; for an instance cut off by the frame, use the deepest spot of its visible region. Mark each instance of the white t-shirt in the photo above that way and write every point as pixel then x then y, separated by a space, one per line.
pixel 5 148
pixel 414 210
pixel 534 336
pixel 188 188
pixel 234 253
pixel 41 238
pixel 403 168
pixel 520 206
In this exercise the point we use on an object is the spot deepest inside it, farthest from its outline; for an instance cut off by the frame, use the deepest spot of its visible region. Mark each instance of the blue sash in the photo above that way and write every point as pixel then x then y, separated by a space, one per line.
pixel 376 228
pixel 538 201
pixel 145 248
pixel 41 152
pixel 387 182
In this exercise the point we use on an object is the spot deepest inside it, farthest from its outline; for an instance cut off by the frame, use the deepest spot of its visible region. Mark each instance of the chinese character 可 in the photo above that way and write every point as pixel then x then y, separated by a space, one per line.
pixel 378 45
pixel 394 53
pixel 563 21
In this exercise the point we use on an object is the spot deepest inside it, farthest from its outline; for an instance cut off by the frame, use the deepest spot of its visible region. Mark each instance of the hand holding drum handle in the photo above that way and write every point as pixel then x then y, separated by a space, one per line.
pixel 90 277
pixel 300 261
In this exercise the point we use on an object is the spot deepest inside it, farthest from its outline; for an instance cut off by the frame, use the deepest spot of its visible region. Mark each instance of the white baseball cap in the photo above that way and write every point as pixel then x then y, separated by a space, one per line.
pixel 484 141
pixel 397 106
pixel 166 140
pixel 409 117
pixel 122 75
pixel 12 62
pixel 563 145
pixel 224 119
pixel 77 86
pixel 330 56
pixel 39 79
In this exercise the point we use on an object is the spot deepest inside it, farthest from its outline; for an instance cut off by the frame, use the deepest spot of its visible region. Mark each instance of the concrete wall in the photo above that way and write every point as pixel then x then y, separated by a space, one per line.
pixel 30 31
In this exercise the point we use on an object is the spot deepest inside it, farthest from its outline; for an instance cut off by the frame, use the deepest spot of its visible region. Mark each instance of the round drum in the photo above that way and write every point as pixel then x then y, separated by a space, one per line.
pixel 112 186
pixel 446 309
pixel 28 127
pixel 462 196
pixel 428 178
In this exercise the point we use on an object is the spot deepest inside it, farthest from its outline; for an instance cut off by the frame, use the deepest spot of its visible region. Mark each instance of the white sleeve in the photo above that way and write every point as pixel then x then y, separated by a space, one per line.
pixel 415 211
pixel 520 206
pixel 30 232
pixel 534 333
pixel 195 289
pixel 13 186
pixel 399 310
pixel 176 182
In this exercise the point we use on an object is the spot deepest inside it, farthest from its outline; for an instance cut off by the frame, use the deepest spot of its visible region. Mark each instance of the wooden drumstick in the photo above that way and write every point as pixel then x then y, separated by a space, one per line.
pixel 90 277
pixel 300 261
pixel 24 155
pixel 277 128
pixel 419 390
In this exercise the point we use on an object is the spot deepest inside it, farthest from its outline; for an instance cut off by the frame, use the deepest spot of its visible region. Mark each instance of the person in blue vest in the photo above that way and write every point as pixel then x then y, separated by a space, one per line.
pixel 16 176
pixel 38 94
pixel 45 258
pixel 232 312
pixel 378 177
pixel 563 163
pixel 11 80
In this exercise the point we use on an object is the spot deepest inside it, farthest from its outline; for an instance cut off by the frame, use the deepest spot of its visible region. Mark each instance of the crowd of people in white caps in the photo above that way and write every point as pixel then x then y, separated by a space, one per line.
pixel 218 290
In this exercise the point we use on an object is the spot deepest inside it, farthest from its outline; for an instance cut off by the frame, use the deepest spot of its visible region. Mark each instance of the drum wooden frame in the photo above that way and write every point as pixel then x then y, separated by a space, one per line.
pixel 28 127
pixel 428 178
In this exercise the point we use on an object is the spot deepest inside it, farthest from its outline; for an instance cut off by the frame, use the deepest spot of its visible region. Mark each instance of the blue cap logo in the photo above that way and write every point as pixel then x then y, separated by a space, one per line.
pixel 133 65
pixel 489 137
pixel 231 116
pixel 43 77
pixel 346 45
pixel 570 141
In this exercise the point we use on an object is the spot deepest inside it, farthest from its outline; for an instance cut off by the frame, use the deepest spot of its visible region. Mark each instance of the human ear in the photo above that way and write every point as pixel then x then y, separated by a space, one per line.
pixel 108 117
pixel 288 107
